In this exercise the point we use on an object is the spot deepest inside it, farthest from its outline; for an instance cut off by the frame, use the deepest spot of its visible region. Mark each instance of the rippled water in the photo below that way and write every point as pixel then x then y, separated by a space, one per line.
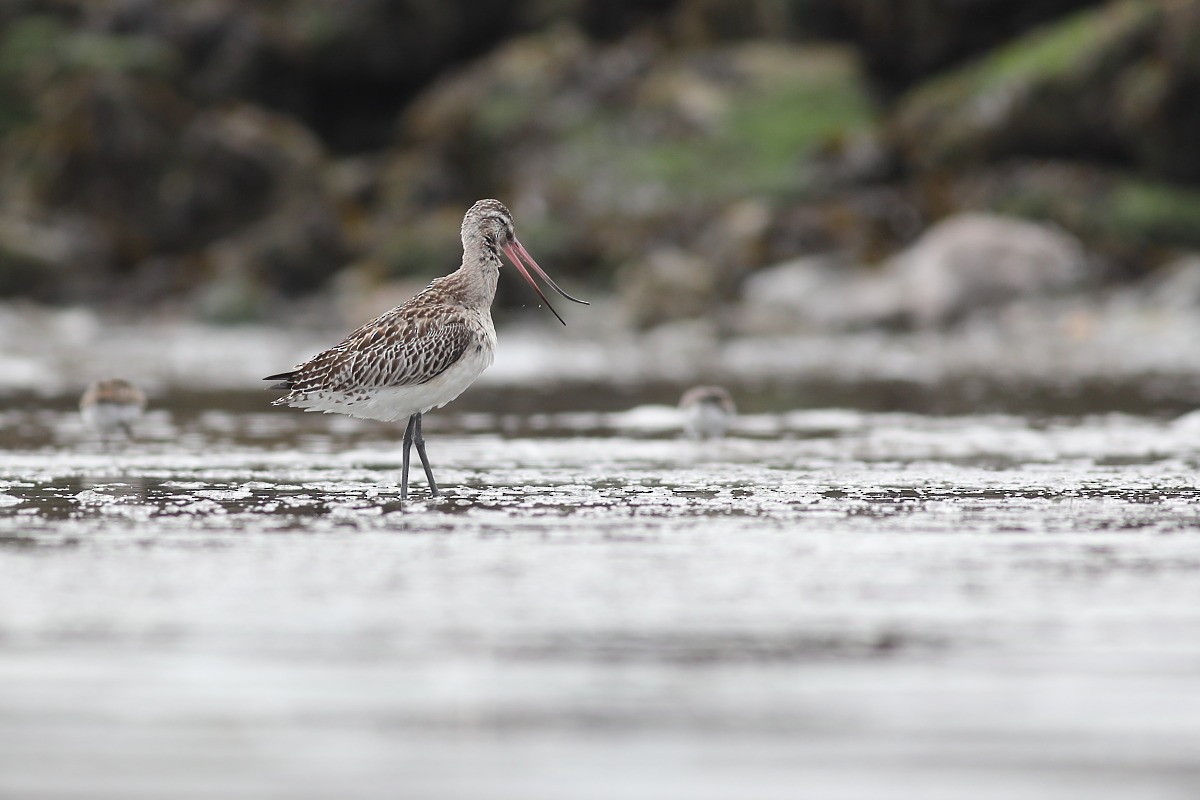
pixel 828 604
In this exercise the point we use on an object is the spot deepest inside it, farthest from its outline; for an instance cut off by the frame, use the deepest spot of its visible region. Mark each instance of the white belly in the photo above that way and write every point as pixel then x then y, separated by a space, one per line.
pixel 706 421
pixel 389 404
pixel 110 418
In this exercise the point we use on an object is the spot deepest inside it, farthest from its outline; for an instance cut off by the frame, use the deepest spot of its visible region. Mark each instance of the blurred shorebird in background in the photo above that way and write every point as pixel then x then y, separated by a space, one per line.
pixel 111 406
pixel 708 411
pixel 425 352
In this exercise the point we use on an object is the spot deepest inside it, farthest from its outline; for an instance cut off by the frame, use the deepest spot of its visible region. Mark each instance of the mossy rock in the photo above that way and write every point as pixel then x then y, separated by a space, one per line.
pixel 906 41
pixel 782 105
pixel 420 248
pixel 1151 215
pixel 710 130
pixel 606 151
pixel 625 128
pixel 1135 221
pixel 514 97
pixel 1049 92
pixel 25 272
pixel 62 259
pixel 37 52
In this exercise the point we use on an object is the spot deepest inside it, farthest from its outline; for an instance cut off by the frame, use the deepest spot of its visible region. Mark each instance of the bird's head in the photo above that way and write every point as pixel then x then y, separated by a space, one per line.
pixel 489 224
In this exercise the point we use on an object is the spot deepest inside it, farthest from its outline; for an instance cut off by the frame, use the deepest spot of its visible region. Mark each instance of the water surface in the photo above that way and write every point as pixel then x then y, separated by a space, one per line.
pixel 830 603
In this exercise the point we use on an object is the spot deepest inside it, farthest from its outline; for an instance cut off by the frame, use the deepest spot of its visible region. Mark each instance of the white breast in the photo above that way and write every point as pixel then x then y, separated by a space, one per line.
pixel 110 418
pixel 705 420
pixel 389 404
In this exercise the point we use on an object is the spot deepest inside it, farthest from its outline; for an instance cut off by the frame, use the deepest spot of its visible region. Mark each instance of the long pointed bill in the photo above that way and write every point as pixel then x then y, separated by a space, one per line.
pixel 520 257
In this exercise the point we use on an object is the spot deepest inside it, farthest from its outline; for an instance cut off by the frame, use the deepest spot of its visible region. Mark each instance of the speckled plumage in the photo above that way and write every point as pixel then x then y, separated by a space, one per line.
pixel 708 411
pixel 425 352
pixel 111 406
pixel 418 356
pixel 421 354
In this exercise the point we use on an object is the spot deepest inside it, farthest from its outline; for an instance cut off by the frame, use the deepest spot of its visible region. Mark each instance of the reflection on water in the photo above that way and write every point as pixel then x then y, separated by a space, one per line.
pixel 852 602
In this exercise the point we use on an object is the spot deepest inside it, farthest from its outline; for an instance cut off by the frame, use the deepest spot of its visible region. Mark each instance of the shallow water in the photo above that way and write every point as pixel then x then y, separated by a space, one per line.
pixel 830 603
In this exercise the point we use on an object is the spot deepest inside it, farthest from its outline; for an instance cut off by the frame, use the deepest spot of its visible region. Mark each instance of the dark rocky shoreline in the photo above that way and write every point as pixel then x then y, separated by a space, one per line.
pixel 224 161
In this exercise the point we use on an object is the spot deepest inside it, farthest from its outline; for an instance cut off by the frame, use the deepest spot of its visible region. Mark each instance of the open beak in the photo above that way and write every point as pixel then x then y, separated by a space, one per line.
pixel 520 257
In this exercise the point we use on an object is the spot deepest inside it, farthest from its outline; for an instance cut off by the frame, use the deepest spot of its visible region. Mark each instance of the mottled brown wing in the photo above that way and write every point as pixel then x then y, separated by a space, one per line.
pixel 398 349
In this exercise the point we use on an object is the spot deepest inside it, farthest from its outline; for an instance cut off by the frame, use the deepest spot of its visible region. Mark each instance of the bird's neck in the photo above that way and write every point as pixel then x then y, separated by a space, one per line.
pixel 478 276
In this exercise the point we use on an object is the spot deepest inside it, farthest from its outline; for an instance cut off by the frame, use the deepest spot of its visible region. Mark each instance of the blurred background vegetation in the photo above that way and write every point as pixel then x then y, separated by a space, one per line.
pixel 229 160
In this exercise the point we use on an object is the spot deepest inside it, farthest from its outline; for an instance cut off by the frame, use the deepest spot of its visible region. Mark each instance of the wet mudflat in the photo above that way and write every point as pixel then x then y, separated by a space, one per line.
pixel 828 604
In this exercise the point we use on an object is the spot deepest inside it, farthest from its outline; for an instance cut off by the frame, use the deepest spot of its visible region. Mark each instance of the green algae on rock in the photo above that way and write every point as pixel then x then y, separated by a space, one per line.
pixel 1048 92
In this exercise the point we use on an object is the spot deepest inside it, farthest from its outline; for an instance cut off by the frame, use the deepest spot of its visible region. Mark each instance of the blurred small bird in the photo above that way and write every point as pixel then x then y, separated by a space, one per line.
pixel 708 411
pixel 110 407
pixel 426 352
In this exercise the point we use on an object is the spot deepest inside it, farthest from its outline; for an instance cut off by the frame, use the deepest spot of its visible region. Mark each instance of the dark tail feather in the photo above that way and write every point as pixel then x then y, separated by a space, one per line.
pixel 286 381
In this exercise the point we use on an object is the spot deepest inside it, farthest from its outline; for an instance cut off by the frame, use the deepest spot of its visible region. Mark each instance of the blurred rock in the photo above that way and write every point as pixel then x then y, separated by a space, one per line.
pixel 39 259
pixel 667 285
pixel 1177 284
pixel 1133 222
pixel 734 242
pixel 233 157
pixel 630 129
pixel 962 265
pixel 614 151
pixel 1122 70
pixel 904 41
pixel 418 246
pixel 102 144
pixel 1156 114
pixel 973 261
pixel 30 259
pixel 233 166
pixel 863 224
pixel 344 68
pixel 816 294
pixel 514 99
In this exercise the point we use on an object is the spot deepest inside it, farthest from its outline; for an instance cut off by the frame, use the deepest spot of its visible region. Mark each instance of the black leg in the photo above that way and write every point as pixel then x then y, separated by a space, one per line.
pixel 408 440
pixel 420 440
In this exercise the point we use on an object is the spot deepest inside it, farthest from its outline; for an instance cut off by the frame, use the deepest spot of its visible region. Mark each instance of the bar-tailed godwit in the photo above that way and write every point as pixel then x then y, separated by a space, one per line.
pixel 708 412
pixel 110 407
pixel 425 352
